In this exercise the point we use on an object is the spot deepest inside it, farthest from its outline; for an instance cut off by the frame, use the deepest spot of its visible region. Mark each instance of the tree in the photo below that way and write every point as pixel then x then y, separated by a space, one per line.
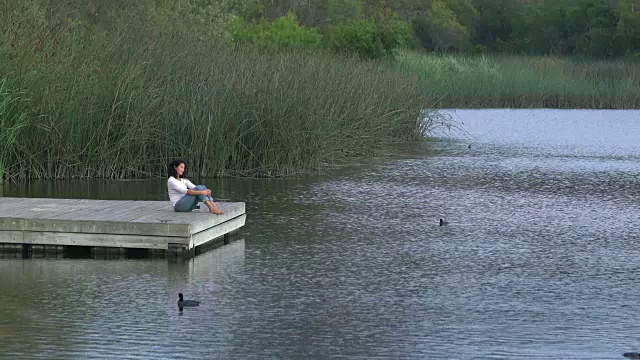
pixel 493 21
pixel 628 29
pixel 444 30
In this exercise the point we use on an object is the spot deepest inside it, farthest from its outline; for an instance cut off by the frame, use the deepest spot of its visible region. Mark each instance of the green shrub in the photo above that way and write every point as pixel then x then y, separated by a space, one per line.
pixel 396 34
pixel 357 36
pixel 283 33
pixel 368 38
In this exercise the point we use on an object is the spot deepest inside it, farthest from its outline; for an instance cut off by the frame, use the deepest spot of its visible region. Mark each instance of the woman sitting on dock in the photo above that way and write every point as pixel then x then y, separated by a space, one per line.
pixel 184 196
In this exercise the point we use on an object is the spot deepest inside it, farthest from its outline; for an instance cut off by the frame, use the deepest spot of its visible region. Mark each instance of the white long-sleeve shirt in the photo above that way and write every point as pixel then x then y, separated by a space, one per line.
pixel 178 188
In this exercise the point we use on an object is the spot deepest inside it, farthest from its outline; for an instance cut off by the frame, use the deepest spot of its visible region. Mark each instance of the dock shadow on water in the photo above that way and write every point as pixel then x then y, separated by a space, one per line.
pixel 537 261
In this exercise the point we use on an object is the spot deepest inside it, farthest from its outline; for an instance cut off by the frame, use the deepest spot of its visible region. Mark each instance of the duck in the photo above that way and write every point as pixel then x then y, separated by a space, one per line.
pixel 186 303
pixel 443 223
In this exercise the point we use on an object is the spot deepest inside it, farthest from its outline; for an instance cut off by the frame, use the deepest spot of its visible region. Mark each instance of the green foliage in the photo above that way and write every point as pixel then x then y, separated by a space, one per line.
pixel 282 33
pixel 493 23
pixel 309 13
pixel 465 13
pixel 526 82
pixel 349 27
pixel 339 11
pixel 571 27
pixel 359 36
pixel 95 100
pixel 583 28
pixel 395 34
pixel 442 25
pixel 444 29
pixel 369 38
pixel 208 18
pixel 628 31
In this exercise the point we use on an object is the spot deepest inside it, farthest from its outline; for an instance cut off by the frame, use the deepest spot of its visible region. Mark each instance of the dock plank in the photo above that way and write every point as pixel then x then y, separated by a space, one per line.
pixel 55 210
pixel 34 209
pixel 99 240
pixel 12 237
pixel 84 208
pixel 125 213
pixel 112 223
pixel 90 212
pixel 217 231
pixel 107 227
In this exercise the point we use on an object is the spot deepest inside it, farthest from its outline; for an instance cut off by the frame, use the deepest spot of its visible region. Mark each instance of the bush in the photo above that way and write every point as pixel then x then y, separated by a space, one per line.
pixel 283 33
pixel 368 38
pixel 396 34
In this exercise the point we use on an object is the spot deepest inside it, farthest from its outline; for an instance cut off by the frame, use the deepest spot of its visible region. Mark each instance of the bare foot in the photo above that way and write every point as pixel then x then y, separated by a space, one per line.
pixel 216 211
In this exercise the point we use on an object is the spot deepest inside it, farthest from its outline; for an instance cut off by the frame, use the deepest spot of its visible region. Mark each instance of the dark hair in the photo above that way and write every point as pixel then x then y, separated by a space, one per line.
pixel 172 168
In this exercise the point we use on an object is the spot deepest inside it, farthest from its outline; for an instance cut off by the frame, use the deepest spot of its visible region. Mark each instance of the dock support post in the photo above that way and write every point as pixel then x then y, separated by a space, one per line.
pixel 27 251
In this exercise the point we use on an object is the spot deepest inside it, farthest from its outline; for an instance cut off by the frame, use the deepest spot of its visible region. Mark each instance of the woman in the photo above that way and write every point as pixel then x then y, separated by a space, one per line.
pixel 184 196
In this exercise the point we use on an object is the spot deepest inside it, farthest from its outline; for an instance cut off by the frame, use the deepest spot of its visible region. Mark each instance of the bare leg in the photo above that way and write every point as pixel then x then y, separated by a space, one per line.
pixel 212 207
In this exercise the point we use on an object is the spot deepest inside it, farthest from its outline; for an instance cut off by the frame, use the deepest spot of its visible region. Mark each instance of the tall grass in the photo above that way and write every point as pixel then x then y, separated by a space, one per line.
pixel 85 103
pixel 11 123
pixel 526 82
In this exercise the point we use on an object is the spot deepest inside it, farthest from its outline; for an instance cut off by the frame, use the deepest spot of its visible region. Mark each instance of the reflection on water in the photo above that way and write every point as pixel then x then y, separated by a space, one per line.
pixel 538 261
pixel 93 308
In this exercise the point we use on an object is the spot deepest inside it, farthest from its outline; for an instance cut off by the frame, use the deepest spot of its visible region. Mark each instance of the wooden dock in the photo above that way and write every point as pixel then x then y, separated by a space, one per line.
pixel 109 224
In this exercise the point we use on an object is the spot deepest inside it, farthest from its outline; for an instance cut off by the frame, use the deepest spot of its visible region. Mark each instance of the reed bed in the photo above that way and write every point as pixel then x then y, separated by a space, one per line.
pixel 76 102
pixel 502 81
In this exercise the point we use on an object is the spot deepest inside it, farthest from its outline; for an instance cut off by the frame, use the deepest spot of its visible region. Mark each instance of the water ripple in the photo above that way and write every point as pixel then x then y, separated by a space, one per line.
pixel 538 260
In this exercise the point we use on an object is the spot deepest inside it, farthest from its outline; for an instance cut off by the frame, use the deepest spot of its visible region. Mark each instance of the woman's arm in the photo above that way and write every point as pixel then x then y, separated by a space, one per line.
pixel 198 192
pixel 191 187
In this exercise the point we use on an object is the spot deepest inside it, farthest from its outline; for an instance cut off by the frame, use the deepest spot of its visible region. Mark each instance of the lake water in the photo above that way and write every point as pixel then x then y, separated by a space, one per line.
pixel 540 259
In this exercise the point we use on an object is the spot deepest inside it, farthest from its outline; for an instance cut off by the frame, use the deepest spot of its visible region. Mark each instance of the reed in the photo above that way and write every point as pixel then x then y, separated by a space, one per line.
pixel 85 103
pixel 12 121
pixel 501 81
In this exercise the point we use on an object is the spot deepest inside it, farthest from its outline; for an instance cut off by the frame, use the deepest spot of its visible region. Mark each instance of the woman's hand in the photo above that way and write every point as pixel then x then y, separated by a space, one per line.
pixel 206 192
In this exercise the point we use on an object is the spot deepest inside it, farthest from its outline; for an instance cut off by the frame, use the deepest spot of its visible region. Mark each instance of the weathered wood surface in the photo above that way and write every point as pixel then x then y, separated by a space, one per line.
pixel 111 223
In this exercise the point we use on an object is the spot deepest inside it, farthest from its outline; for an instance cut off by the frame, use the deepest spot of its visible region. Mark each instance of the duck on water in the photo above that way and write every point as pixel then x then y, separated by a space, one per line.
pixel 186 303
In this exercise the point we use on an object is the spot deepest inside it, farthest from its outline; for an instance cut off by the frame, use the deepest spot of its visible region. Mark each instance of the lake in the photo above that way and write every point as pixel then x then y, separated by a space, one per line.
pixel 539 259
